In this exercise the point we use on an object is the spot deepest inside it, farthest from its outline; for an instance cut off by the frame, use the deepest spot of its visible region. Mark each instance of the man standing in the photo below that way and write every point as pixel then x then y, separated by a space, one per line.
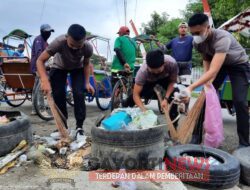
pixel 181 47
pixel 71 55
pixel 125 49
pixel 222 56
pixel 39 45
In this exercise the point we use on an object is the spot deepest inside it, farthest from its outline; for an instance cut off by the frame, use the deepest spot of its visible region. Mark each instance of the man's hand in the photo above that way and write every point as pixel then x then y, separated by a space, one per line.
pixel 127 67
pixel 164 104
pixel 45 86
pixel 185 95
pixel 143 109
pixel 90 89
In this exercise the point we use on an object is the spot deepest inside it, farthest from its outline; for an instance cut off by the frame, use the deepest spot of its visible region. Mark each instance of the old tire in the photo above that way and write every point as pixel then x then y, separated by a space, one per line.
pixel 136 146
pixel 243 155
pixel 16 130
pixel 224 175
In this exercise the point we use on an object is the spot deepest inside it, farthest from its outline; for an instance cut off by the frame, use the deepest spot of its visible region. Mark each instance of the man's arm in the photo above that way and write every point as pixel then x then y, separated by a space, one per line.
pixel 170 89
pixel 164 103
pixel 137 98
pixel 120 56
pixel 206 65
pixel 86 68
pixel 40 63
pixel 211 72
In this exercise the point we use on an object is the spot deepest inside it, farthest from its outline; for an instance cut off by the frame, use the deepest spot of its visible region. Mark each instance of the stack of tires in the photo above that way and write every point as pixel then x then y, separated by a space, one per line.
pixel 224 175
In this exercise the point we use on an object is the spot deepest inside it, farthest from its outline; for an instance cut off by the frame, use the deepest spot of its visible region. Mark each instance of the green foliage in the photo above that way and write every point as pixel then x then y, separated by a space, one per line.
pixel 152 27
pixel 165 29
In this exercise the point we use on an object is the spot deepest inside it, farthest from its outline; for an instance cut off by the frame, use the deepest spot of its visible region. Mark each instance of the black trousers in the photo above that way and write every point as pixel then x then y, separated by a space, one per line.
pixel 58 80
pixel 148 93
pixel 240 79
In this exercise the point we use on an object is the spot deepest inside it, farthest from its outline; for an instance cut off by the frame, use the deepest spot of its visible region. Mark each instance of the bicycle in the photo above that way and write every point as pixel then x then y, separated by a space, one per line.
pixel 103 90
pixel 122 90
pixel 41 104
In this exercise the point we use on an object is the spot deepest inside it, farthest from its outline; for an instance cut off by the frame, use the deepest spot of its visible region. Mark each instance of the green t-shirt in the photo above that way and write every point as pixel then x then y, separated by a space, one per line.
pixel 128 49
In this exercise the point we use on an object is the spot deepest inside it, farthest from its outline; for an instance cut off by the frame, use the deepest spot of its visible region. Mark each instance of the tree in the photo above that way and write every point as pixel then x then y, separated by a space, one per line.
pixel 152 27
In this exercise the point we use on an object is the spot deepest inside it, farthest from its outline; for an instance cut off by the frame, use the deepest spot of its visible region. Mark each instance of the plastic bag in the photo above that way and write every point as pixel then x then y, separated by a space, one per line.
pixel 213 124
pixel 145 120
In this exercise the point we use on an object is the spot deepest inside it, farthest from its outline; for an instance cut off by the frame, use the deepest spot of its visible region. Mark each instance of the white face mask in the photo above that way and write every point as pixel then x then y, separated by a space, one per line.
pixel 199 39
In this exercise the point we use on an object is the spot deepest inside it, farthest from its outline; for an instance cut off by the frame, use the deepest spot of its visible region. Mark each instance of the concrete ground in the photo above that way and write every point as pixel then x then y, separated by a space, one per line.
pixel 32 177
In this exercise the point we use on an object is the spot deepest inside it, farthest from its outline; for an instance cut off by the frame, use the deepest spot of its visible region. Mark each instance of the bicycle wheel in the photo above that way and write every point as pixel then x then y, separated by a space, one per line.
pixel 103 94
pixel 69 97
pixel 41 105
pixel 15 97
pixel 119 94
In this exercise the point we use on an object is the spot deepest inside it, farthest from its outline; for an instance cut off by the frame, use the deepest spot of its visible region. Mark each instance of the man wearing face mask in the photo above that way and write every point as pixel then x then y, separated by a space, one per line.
pixel 39 45
pixel 159 69
pixel 71 55
pixel 222 56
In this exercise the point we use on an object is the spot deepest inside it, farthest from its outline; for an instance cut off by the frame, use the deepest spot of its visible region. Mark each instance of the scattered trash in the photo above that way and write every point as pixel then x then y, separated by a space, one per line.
pixel 211 160
pixel 21 145
pixel 76 145
pixel 4 119
pixel 50 151
pixel 7 167
pixel 41 148
pixel 63 150
pixel 62 143
pixel 49 141
pixel 23 158
pixel 75 160
pixel 10 159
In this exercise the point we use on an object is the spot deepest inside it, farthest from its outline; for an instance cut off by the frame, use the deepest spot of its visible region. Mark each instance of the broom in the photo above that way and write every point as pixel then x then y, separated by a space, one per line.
pixel 173 133
pixel 60 124
pixel 186 129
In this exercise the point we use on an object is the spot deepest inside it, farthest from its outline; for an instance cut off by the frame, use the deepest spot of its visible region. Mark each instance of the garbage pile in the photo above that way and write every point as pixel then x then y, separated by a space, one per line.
pixel 130 119
pixel 15 157
pixel 48 152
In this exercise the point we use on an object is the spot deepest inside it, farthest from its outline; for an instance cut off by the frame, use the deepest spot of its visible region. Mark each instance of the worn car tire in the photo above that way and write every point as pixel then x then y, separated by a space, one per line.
pixel 16 130
pixel 224 175
pixel 127 138
pixel 139 149
pixel 243 155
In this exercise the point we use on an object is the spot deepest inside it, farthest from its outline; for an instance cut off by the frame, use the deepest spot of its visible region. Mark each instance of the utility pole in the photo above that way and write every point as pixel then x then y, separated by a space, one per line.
pixel 125 12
